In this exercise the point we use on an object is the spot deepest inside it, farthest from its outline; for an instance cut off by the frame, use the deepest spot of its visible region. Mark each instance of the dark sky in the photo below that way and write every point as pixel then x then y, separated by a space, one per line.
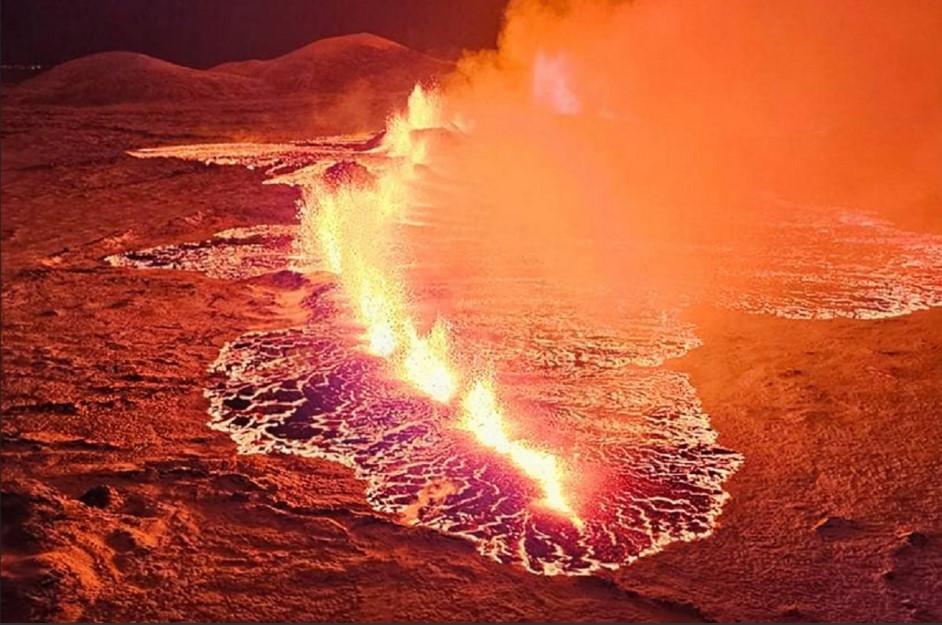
pixel 202 33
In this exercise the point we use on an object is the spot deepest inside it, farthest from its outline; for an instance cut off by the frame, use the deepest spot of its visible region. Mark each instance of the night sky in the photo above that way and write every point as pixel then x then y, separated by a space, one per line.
pixel 202 33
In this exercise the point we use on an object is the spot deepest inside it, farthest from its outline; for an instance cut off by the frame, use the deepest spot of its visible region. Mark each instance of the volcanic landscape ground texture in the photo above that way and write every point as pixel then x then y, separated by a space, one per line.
pixel 813 481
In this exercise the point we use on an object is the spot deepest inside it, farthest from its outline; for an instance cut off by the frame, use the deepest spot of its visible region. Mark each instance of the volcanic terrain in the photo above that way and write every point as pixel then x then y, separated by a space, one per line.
pixel 150 289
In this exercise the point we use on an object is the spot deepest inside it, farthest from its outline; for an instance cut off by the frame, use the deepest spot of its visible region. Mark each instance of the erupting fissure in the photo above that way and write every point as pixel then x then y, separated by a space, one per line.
pixel 483 417
pixel 351 225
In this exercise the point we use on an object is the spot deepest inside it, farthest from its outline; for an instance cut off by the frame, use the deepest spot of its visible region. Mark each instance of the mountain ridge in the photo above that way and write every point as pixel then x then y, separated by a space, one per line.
pixel 322 66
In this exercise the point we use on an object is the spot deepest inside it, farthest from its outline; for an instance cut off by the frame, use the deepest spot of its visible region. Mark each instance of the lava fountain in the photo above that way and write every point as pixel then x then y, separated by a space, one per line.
pixel 350 220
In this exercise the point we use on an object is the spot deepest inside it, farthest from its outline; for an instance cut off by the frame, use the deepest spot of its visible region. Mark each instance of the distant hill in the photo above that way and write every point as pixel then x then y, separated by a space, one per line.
pixel 125 77
pixel 327 65
pixel 334 63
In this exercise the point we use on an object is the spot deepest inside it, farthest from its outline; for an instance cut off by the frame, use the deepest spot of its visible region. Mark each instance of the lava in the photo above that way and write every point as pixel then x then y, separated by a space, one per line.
pixel 484 418
pixel 352 226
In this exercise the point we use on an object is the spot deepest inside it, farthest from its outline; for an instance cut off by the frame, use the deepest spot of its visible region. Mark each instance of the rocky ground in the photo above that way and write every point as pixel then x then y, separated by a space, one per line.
pixel 120 504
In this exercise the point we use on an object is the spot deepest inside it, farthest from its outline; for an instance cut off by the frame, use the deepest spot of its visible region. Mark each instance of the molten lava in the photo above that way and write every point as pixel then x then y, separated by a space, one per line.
pixel 483 418
pixel 351 224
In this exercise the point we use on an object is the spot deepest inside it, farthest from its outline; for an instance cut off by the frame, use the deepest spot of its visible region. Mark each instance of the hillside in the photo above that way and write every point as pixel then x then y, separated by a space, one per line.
pixel 334 63
pixel 126 77
pixel 325 66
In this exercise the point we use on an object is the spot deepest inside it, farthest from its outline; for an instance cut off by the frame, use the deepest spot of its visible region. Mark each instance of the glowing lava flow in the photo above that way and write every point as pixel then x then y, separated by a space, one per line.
pixel 351 225
pixel 483 417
